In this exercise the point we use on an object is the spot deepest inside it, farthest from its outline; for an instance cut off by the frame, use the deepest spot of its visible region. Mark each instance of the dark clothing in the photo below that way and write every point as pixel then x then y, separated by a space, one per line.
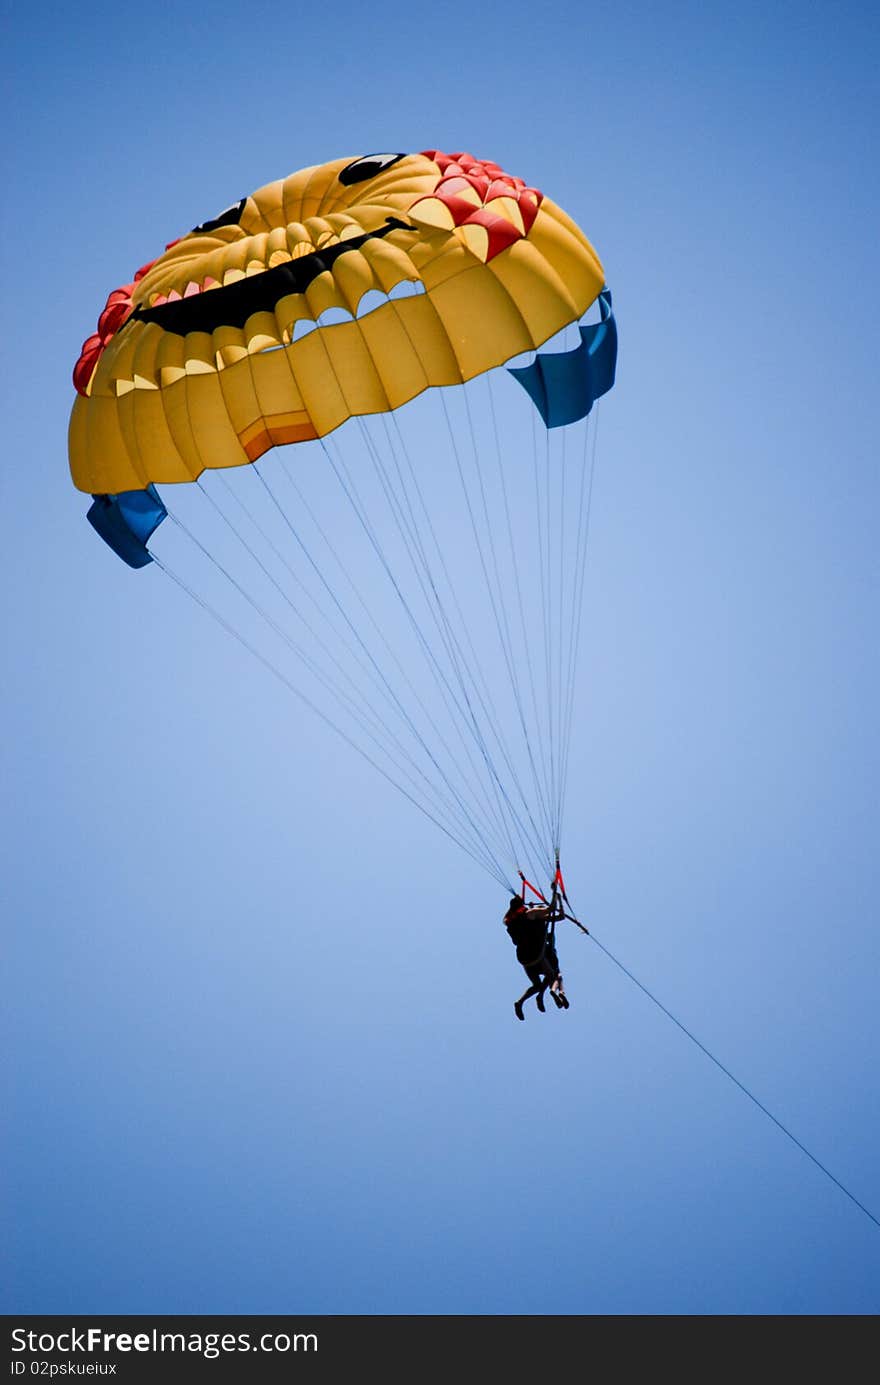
pixel 527 926
pixel 527 929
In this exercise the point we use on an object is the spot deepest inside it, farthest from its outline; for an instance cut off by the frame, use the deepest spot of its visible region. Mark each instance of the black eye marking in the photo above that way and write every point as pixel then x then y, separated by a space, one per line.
pixel 230 217
pixel 367 167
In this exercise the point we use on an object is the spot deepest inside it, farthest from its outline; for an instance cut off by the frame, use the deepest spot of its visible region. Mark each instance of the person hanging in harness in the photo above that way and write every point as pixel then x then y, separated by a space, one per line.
pixel 532 930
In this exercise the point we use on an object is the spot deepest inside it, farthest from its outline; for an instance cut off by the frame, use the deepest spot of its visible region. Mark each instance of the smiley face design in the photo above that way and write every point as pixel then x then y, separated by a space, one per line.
pixel 345 289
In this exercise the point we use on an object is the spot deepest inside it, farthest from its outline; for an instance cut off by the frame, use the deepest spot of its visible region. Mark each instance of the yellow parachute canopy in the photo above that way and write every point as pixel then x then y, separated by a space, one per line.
pixel 421 594
pixel 418 270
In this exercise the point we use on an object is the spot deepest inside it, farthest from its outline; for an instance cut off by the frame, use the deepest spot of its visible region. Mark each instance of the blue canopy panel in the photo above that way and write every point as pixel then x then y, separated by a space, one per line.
pixel 566 384
pixel 126 521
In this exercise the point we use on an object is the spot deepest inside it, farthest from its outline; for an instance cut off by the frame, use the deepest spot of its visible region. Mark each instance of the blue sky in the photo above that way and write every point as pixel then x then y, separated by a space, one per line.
pixel 264 1053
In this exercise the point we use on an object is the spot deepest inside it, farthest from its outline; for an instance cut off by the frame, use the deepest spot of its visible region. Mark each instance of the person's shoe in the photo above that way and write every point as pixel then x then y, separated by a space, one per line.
pixel 558 1000
pixel 563 1001
pixel 539 1001
pixel 517 1009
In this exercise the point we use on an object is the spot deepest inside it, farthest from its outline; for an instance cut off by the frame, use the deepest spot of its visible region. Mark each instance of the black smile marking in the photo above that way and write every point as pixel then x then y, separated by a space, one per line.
pixel 232 305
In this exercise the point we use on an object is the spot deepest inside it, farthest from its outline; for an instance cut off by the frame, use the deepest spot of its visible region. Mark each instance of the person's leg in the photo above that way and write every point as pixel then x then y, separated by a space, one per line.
pixel 536 988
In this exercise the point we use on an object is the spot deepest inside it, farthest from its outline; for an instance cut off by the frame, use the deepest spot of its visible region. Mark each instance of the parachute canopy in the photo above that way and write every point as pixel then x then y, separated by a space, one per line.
pixel 327 302
pixel 209 357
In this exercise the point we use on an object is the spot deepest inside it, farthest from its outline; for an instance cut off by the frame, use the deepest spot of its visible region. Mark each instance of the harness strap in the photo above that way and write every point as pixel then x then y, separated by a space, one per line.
pixel 527 884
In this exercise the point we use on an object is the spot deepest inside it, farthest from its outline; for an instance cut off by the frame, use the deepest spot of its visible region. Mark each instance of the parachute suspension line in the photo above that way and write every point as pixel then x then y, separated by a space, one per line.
pixel 559 635
pixel 534 835
pixel 351 707
pixel 321 612
pixel 503 625
pixel 474 689
pixel 525 642
pixel 539 525
pixel 736 1082
pixel 552 729
pixel 415 547
pixel 463 807
pixel 350 491
pixel 461 668
pixel 351 494
pixel 309 627
pixel 488 865
pixel 493 721
pixel 334 554
pixel 585 511
pixel 570 626
pixel 378 549
pixel 543 570
pixel 251 601
pixel 358 708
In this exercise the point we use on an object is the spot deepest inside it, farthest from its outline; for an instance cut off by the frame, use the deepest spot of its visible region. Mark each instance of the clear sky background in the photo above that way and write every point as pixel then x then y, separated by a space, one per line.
pixel 263 1055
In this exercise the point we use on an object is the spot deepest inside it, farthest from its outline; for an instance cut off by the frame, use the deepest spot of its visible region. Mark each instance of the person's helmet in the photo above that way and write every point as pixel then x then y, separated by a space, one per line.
pixel 517 902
